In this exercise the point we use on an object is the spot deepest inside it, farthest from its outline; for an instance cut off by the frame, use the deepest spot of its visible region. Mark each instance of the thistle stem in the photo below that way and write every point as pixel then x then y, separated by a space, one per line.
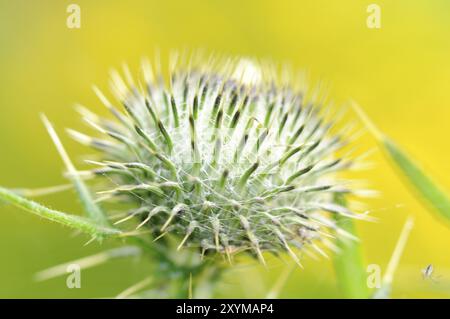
pixel 71 221
pixel 348 263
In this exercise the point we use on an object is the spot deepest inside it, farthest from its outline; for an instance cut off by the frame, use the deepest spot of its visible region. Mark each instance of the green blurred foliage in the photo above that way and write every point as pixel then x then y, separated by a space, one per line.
pixel 399 74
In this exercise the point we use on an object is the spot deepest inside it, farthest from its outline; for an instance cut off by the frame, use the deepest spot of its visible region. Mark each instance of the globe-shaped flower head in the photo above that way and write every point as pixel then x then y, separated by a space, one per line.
pixel 225 156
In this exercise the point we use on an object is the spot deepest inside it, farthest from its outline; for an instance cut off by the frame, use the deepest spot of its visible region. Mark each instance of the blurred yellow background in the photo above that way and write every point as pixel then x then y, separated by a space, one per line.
pixel 400 74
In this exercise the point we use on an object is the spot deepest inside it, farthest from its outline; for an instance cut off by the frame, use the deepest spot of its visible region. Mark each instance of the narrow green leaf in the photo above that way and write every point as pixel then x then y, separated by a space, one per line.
pixel 348 263
pixel 422 182
pixel 414 175
pixel 71 221
pixel 91 209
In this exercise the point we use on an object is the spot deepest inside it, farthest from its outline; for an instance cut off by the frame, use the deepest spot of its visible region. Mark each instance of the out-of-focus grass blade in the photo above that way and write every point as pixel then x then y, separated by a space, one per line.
pixel 44 191
pixel 190 286
pixel 91 209
pixel 88 262
pixel 415 176
pixel 281 282
pixel 348 263
pixel 129 292
pixel 71 221
pixel 386 286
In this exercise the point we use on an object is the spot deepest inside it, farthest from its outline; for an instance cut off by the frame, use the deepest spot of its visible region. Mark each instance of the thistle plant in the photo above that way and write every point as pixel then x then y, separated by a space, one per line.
pixel 219 158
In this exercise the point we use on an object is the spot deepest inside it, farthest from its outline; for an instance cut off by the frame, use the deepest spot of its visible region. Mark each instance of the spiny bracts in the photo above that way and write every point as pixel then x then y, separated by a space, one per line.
pixel 226 155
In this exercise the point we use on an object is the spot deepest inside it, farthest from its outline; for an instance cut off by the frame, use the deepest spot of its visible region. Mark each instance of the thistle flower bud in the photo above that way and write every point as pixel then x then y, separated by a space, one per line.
pixel 226 156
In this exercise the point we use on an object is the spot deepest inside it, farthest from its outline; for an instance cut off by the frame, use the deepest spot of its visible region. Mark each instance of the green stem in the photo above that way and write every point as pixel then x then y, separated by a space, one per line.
pixel 71 221
pixel 205 283
pixel 348 263
pixel 174 271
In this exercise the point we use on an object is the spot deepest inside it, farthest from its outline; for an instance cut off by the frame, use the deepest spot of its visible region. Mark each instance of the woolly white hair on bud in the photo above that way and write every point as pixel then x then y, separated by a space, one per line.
pixel 228 155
